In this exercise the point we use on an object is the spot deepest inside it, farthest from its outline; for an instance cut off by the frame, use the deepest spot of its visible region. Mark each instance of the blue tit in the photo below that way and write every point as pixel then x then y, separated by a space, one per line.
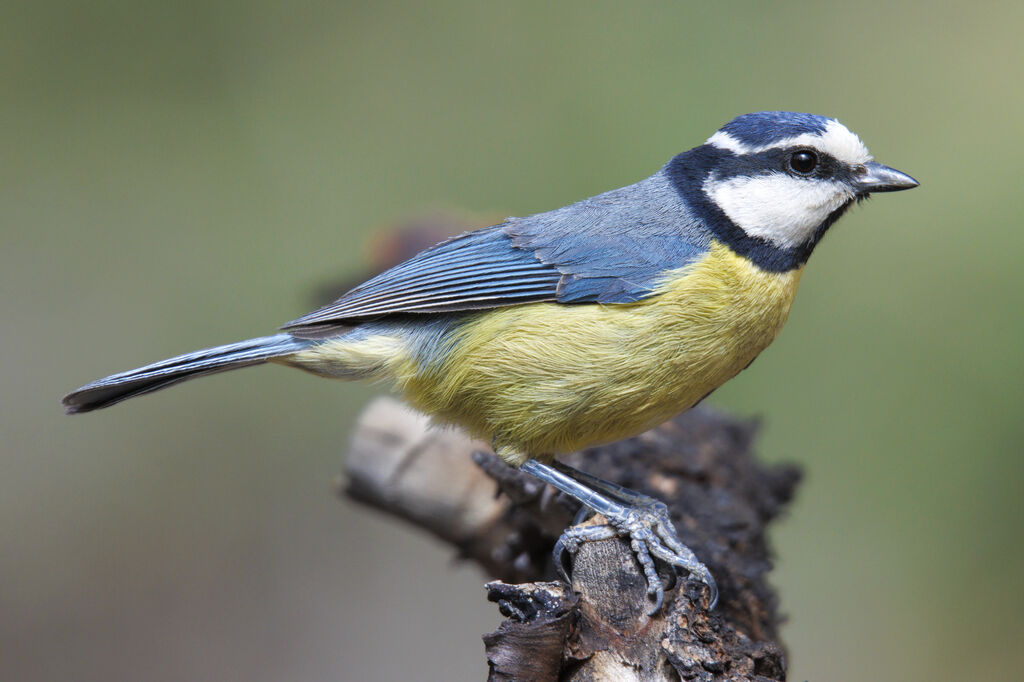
pixel 589 323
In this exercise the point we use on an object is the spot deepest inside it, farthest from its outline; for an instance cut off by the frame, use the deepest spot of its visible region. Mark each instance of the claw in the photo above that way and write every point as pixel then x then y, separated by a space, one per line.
pixel 709 580
pixel 582 515
pixel 558 556
pixel 654 586
pixel 569 543
pixel 642 519
pixel 651 536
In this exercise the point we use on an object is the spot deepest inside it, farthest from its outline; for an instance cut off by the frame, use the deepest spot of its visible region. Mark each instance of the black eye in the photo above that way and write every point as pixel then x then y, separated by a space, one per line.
pixel 803 161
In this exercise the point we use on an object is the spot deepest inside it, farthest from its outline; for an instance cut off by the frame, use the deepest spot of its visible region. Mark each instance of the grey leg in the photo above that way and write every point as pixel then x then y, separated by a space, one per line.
pixel 642 519
pixel 614 490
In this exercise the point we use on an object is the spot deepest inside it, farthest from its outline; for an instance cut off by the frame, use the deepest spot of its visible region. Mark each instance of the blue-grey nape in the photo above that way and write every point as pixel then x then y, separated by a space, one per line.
pixel 767 127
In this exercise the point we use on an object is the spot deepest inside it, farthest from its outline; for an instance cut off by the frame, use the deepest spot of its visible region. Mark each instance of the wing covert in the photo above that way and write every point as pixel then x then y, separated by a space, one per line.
pixel 480 269
pixel 611 248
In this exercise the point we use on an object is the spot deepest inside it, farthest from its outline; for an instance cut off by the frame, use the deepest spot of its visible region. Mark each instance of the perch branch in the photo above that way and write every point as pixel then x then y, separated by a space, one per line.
pixel 700 464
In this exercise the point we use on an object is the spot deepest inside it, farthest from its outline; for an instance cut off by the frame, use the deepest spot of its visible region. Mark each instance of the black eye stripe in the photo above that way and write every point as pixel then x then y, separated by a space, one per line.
pixel 777 161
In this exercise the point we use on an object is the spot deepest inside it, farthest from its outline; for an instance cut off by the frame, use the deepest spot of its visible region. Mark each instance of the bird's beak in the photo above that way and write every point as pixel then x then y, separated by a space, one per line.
pixel 879 178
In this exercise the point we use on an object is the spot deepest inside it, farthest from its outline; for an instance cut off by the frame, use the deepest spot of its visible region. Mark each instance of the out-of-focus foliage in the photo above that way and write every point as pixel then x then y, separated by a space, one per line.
pixel 183 174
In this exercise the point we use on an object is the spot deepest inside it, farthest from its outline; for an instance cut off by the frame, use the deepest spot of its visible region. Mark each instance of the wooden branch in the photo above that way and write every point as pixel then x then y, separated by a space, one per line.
pixel 700 464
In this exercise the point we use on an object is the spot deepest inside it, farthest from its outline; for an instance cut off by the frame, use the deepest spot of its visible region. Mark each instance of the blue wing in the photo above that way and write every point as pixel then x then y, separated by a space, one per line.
pixel 611 248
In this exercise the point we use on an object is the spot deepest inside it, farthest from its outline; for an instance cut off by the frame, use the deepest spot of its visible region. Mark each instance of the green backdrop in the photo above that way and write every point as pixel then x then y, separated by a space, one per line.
pixel 175 175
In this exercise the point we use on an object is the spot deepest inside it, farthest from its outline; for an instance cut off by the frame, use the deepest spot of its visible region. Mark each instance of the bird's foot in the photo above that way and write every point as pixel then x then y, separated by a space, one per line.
pixel 645 522
pixel 642 519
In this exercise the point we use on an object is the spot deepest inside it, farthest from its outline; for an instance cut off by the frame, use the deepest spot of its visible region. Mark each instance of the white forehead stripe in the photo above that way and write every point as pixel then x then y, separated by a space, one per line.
pixel 836 141
pixel 779 208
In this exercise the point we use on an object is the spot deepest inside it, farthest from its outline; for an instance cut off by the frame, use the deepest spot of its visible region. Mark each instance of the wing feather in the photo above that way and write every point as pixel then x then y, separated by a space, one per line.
pixel 612 248
pixel 479 269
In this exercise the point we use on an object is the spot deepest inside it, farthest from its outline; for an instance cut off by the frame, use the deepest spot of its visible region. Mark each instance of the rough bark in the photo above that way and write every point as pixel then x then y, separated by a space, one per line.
pixel 598 628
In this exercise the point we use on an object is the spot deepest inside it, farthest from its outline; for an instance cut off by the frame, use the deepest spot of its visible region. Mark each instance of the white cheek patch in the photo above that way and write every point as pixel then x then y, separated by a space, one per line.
pixel 836 141
pixel 779 208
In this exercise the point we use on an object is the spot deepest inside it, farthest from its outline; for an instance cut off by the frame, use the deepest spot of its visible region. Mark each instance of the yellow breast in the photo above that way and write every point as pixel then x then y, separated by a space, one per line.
pixel 546 378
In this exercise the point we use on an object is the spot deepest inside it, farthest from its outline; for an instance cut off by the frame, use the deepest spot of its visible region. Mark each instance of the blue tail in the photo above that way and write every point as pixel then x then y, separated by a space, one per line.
pixel 118 387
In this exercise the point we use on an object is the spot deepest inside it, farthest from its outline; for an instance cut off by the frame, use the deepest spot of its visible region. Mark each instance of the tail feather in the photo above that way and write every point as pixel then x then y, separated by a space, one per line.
pixel 117 387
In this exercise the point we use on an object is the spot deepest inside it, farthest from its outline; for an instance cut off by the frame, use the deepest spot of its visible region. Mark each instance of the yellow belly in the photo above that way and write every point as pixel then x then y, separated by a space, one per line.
pixel 545 378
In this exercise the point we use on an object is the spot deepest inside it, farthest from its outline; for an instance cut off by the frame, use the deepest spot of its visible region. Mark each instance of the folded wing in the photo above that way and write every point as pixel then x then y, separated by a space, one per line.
pixel 611 248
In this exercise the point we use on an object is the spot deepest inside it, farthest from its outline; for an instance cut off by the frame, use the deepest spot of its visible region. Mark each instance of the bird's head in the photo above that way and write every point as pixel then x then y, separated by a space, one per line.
pixel 782 178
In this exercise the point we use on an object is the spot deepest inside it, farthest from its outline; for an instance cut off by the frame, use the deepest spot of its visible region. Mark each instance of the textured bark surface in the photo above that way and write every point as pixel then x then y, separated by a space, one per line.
pixel 598 628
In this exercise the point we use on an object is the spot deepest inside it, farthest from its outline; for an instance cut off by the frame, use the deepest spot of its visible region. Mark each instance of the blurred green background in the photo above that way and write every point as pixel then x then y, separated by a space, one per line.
pixel 176 175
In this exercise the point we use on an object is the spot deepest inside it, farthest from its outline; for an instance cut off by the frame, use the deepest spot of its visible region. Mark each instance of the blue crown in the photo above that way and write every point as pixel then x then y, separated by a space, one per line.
pixel 766 127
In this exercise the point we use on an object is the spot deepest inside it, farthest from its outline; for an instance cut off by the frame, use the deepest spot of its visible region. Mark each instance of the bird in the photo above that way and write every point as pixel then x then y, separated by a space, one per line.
pixel 589 323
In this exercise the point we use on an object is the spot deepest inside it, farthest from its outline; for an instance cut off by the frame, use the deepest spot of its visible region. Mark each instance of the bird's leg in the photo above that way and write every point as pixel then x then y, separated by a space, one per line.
pixel 614 490
pixel 644 520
